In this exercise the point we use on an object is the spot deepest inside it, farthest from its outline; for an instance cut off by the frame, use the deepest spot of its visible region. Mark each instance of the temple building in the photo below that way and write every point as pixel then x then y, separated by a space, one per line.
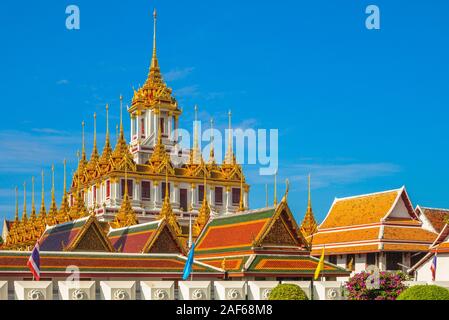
pixel 379 229
pixel 139 169
pixel 438 254
pixel 133 211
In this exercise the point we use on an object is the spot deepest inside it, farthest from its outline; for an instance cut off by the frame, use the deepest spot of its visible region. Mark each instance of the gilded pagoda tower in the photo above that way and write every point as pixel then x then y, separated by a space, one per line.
pixel 151 155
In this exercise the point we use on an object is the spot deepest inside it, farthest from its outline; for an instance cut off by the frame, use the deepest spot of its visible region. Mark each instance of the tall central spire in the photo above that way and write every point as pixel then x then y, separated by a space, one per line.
pixel 154 62
pixel 229 157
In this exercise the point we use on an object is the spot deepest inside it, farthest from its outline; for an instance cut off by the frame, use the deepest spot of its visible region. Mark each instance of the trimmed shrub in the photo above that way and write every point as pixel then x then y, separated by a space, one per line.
pixel 286 291
pixel 390 286
pixel 424 292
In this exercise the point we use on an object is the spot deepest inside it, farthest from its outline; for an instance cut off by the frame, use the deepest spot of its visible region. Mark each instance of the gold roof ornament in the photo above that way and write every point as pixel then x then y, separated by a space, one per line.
pixel 230 168
pixel 126 216
pixel 63 215
pixel 241 203
pixel 24 213
pixel 196 157
pixel 203 213
pixel 196 166
pixel 42 212
pixel 212 163
pixel 33 206
pixel 105 158
pixel 155 92
pixel 53 211
pixel 160 159
pixel 167 211
pixel 309 225
pixel 82 162
pixel 121 155
pixel 275 201
pixel 11 239
pixel 92 165
pixel 16 216
pixel 78 209
pixel 229 156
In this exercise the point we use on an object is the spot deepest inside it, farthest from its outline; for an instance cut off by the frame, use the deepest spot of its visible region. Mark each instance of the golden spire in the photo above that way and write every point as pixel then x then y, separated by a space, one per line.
pixel 241 205
pixel 83 152
pixel 64 209
pixel 309 201
pixel 275 188
pixel 212 141
pixel 78 209
pixel 122 134
pixel 33 206
pixel 121 151
pixel 266 195
pixel 16 217
pixel 167 211
pixel 196 152
pixel 107 150
pixel 53 211
pixel 24 213
pixel 126 216
pixel 159 158
pixel 229 157
pixel 95 131
pixel 154 62
pixel 107 124
pixel 203 213
pixel 94 149
pixel 309 225
pixel 42 211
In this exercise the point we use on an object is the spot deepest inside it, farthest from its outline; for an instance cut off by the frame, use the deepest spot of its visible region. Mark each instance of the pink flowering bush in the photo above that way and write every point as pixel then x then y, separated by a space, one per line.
pixel 390 286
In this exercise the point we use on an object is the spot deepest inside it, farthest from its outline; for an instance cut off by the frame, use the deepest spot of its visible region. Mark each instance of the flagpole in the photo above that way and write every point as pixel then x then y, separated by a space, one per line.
pixel 190 243
pixel 313 275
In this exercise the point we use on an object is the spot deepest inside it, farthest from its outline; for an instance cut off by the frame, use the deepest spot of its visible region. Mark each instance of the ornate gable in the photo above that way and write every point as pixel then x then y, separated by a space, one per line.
pixel 90 238
pixel 282 229
pixel 164 241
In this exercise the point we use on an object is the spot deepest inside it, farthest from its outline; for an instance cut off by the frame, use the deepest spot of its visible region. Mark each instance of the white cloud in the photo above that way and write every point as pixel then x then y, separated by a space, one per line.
pixel 62 82
pixel 327 174
pixel 177 74
pixel 188 91
pixel 24 152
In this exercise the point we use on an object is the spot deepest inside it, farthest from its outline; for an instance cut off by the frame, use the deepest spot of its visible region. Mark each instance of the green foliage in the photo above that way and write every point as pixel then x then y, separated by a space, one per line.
pixel 424 292
pixel 287 292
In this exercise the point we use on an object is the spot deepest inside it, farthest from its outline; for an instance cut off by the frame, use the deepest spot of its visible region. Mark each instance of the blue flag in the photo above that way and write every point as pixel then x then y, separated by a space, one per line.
pixel 189 263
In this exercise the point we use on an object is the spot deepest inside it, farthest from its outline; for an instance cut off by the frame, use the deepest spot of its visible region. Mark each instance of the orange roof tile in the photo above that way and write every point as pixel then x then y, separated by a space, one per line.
pixel 408 234
pixel 443 245
pixel 405 247
pixel 405 221
pixel 360 210
pixel 436 217
pixel 347 249
pixel 346 236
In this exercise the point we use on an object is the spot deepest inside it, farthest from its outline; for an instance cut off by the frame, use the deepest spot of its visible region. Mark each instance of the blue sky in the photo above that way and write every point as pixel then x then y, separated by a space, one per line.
pixel 361 110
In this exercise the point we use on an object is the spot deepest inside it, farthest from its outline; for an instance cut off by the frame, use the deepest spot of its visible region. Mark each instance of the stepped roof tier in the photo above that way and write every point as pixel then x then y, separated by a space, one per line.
pixel 382 221
pixel 100 264
pixel 439 246
pixel 259 243
pixel 150 237
pixel 434 219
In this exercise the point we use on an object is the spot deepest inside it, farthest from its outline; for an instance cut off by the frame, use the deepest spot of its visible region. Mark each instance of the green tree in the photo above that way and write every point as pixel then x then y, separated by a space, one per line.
pixel 424 292
pixel 287 292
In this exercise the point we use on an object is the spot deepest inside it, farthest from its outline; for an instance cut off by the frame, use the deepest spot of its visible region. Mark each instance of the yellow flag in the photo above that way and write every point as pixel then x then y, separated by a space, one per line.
pixel 320 266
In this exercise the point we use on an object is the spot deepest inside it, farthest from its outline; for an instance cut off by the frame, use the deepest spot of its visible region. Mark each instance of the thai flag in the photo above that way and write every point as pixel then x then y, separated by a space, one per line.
pixel 433 267
pixel 34 262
